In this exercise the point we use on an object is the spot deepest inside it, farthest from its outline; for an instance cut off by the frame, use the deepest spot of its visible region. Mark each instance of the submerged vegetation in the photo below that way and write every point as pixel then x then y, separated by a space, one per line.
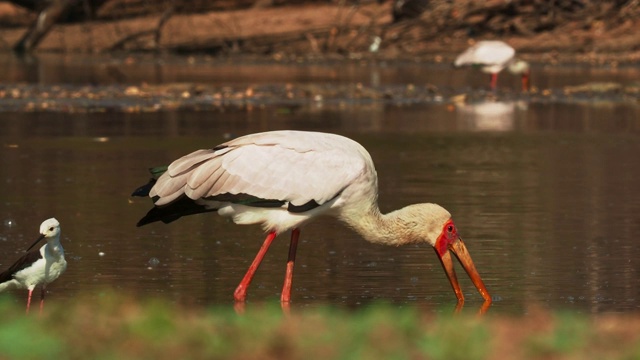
pixel 116 326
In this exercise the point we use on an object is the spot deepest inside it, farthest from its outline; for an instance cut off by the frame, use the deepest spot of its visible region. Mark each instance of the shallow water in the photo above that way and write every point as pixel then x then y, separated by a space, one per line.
pixel 544 194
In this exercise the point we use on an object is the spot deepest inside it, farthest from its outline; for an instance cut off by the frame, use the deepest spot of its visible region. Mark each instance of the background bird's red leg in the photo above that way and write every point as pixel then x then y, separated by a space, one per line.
pixel 288 278
pixel 494 81
pixel 241 291
pixel 525 81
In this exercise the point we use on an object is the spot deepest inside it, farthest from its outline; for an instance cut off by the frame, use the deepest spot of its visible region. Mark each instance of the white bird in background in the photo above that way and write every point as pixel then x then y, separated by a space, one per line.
pixel 283 179
pixel 37 267
pixel 493 56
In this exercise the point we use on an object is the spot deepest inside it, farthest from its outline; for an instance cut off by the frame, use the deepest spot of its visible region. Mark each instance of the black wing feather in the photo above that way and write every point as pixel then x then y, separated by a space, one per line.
pixel 156 172
pixel 183 206
pixel 22 263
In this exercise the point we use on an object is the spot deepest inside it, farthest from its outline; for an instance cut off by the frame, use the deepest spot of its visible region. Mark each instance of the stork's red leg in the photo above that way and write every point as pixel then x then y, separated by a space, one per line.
pixel 288 278
pixel 241 291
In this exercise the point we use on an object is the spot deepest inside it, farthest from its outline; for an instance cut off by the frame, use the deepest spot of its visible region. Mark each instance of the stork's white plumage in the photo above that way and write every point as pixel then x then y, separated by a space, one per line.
pixel 492 56
pixel 282 179
pixel 37 267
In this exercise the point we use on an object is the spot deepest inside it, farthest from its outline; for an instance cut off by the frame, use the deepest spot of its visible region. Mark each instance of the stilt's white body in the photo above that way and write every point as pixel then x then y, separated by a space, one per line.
pixel 42 272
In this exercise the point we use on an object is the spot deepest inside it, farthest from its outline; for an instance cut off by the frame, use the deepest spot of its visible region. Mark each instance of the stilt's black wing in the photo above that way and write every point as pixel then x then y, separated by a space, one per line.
pixel 24 262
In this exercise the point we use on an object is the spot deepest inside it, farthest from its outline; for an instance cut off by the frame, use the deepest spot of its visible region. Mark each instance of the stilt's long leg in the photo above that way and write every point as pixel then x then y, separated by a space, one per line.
pixel 29 299
pixel 288 278
pixel 241 291
pixel 43 291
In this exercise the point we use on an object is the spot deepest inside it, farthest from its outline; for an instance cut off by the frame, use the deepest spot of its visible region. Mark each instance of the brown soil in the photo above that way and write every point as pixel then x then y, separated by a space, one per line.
pixel 339 30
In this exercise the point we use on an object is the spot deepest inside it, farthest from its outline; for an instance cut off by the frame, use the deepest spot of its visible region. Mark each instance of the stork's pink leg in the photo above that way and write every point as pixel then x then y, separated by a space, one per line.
pixel 29 300
pixel 241 291
pixel 494 81
pixel 288 278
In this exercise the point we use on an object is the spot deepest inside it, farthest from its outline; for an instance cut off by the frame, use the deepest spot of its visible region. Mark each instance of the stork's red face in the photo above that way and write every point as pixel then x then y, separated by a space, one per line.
pixel 449 240
pixel 447 237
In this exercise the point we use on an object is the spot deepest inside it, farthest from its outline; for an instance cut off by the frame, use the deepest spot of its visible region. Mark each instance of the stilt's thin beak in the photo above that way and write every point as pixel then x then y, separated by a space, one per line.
pixel 37 241
pixel 460 251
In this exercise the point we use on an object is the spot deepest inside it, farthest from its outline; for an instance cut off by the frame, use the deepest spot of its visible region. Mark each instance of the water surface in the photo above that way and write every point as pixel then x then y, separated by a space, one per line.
pixel 544 194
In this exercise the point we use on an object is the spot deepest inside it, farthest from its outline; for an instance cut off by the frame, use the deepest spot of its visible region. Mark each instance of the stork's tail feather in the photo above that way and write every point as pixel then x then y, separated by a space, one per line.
pixel 173 211
pixel 143 191
pixel 156 172
pixel 170 212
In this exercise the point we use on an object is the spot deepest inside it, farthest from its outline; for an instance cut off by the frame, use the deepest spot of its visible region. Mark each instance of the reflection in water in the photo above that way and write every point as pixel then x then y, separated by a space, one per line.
pixel 368 118
pixel 489 115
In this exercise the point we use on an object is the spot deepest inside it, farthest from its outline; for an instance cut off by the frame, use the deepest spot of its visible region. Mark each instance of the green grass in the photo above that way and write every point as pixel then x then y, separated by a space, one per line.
pixel 569 334
pixel 119 327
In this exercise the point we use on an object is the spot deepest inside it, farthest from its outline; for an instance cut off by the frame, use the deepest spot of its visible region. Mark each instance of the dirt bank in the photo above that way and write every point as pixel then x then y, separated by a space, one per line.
pixel 600 35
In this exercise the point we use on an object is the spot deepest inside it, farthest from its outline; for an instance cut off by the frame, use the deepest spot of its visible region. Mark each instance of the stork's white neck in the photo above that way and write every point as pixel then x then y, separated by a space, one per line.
pixel 376 227
pixel 411 224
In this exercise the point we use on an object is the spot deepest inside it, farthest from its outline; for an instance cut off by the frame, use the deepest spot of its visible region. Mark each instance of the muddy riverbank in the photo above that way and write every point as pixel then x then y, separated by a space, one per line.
pixel 599 35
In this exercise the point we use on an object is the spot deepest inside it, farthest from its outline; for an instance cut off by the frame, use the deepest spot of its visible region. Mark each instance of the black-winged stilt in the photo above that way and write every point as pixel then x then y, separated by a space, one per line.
pixel 37 267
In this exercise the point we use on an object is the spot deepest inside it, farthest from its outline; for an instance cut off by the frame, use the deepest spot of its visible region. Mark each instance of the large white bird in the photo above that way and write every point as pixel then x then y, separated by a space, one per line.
pixel 283 179
pixel 37 267
pixel 492 56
